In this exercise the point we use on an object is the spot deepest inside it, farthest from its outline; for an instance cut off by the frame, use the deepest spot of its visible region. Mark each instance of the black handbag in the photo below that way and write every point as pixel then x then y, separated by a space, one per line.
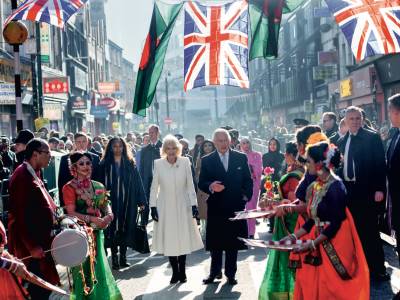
pixel 141 243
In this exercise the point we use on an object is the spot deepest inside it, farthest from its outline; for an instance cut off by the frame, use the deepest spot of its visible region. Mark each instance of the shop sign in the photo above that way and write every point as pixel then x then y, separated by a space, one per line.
pixel 116 126
pixel 110 103
pixel 327 57
pixel 346 88
pixel 80 78
pixel 55 85
pixel 45 42
pixel 99 112
pixel 7 94
pixel 107 87
pixel 79 103
pixel 53 111
pixel 324 72
pixel 42 123
pixel 7 72
pixel 168 121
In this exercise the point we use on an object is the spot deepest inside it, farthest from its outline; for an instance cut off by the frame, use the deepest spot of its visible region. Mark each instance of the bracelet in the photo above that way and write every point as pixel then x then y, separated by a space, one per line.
pixel 87 219
pixel 293 236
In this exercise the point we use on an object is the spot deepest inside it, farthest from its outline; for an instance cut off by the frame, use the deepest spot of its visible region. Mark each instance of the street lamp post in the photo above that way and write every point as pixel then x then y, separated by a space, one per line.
pixel 167 100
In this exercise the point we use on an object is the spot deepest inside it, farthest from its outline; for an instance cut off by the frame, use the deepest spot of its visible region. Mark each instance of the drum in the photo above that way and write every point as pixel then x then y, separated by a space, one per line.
pixel 70 247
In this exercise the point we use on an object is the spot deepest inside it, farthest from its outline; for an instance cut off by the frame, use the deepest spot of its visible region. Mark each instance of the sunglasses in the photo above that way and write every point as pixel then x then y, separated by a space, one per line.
pixel 85 163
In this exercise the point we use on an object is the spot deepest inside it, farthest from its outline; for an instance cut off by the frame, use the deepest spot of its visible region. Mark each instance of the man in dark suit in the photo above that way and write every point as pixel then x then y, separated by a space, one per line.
pixel 393 164
pixel 148 154
pixel 64 175
pixel 364 175
pixel 225 176
pixel 32 217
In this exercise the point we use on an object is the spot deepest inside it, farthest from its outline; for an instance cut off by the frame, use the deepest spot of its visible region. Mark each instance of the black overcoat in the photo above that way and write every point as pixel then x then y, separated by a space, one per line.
pixel 222 234
pixel 125 198
pixel 394 183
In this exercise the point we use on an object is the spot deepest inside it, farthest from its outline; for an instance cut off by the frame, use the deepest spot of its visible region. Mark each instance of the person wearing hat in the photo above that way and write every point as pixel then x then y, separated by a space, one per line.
pixel 7 156
pixel 299 123
pixel 23 138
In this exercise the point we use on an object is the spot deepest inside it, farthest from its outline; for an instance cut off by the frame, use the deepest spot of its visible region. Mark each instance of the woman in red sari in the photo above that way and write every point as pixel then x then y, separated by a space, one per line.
pixel 11 288
pixel 334 265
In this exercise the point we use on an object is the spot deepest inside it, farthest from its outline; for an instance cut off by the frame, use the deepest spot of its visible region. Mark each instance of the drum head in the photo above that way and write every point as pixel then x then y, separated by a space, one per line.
pixel 70 248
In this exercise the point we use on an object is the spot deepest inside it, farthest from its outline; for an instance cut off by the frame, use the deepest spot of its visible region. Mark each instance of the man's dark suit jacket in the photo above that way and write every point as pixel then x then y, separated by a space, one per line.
pixel 64 174
pixel 394 184
pixel 148 155
pixel 222 234
pixel 369 161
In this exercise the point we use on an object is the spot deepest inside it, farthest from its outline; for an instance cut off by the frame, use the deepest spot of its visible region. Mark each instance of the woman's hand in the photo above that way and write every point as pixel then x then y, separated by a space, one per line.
pixel 99 222
pixel 306 247
pixel 285 239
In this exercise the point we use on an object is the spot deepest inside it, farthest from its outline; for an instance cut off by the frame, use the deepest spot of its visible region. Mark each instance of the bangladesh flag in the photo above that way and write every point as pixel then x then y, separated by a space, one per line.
pixel 155 48
pixel 265 21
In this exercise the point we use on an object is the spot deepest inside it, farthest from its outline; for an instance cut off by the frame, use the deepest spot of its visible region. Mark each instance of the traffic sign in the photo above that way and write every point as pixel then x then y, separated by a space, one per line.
pixel 168 121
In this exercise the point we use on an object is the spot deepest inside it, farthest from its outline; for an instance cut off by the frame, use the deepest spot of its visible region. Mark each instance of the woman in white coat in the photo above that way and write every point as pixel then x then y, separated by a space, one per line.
pixel 173 206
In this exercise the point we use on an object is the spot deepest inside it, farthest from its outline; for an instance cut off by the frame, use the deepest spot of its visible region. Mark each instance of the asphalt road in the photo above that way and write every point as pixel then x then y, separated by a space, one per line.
pixel 148 276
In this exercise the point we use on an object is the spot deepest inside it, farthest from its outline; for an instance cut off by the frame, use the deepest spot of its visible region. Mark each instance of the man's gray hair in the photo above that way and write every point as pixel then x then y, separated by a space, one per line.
pixel 353 108
pixel 223 131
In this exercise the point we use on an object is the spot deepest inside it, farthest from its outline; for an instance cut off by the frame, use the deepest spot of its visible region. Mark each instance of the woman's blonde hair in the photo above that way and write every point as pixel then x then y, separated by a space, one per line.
pixel 170 140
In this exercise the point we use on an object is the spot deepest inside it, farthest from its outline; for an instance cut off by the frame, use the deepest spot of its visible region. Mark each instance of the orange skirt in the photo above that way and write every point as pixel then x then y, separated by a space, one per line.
pixel 10 289
pixel 323 282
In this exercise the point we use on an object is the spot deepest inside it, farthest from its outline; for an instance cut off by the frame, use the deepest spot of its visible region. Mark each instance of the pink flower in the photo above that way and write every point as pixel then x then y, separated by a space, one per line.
pixel 269 171
pixel 100 192
pixel 270 194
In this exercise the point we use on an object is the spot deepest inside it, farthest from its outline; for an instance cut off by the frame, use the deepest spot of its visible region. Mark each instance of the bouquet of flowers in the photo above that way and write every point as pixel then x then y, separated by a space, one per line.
pixel 271 187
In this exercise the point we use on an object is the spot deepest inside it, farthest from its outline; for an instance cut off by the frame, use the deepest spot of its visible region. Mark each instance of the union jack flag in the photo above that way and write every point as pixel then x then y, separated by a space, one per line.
pixel 54 12
pixel 370 26
pixel 215 45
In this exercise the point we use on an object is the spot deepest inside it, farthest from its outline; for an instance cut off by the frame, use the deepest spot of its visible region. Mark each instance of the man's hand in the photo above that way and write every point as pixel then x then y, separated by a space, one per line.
pixel 379 196
pixel 37 253
pixel 154 213
pixel 217 187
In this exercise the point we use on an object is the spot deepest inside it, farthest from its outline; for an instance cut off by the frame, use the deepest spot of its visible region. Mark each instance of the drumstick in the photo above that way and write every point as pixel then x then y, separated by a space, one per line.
pixel 56 248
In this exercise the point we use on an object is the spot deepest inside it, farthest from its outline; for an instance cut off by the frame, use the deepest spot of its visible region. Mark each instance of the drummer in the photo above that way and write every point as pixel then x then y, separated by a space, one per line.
pixel 31 217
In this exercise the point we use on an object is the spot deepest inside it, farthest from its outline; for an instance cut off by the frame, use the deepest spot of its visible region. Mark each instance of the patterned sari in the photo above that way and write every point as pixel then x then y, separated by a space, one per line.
pixel 100 284
pixel 278 281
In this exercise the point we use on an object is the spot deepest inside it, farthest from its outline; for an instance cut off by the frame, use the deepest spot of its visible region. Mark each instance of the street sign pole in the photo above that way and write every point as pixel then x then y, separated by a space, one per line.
pixel 17 76
pixel 39 69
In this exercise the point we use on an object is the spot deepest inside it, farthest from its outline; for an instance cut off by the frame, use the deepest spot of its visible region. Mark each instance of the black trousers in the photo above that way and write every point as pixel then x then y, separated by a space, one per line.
pixel 365 214
pixel 36 292
pixel 230 263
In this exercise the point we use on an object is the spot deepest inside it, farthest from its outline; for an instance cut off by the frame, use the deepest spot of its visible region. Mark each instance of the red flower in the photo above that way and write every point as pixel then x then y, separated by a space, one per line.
pixel 100 192
pixel 269 171
pixel 268 185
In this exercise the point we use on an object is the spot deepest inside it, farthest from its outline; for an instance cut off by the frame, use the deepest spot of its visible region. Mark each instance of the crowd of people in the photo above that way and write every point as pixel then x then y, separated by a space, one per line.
pixel 327 192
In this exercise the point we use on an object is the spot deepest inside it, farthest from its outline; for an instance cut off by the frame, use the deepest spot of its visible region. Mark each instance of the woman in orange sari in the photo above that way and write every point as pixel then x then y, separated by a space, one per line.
pixel 11 288
pixel 334 265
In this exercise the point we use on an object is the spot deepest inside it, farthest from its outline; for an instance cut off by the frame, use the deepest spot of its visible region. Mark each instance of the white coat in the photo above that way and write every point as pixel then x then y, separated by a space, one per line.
pixel 172 192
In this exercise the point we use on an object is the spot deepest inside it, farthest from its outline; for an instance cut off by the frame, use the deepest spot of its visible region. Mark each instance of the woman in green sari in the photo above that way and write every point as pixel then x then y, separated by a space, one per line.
pixel 278 281
pixel 86 199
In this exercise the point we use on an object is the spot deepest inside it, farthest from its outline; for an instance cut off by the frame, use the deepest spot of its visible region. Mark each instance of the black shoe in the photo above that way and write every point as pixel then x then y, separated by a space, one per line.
pixel 251 237
pixel 232 281
pixel 219 276
pixel 380 277
pixel 115 263
pixel 208 280
pixel 122 261
pixel 174 278
pixel 182 277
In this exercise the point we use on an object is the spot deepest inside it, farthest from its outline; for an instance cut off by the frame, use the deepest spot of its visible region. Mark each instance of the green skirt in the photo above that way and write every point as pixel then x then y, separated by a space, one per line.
pixel 278 281
pixel 106 288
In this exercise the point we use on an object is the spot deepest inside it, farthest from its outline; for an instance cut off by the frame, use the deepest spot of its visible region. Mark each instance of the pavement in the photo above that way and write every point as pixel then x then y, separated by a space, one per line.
pixel 148 276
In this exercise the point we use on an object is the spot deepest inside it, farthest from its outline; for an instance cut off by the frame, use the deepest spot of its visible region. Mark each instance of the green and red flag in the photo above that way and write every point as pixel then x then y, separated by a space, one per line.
pixel 265 22
pixel 155 48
